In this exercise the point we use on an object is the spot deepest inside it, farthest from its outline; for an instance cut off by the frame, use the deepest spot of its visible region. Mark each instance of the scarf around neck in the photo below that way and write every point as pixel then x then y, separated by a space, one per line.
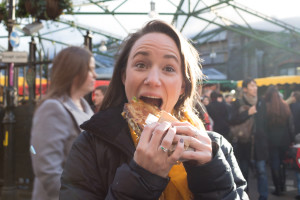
pixel 177 188
pixel 250 99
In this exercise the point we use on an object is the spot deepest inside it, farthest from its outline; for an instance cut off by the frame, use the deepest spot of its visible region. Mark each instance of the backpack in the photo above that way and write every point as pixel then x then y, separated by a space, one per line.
pixel 293 158
pixel 242 132
pixel 297 160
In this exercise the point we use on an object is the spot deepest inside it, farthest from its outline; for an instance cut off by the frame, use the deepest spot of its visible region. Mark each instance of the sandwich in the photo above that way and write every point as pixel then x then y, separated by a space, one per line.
pixel 139 114
pixel 136 113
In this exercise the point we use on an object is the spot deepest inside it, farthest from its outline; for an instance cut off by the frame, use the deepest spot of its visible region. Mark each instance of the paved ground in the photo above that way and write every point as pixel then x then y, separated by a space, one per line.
pixel 291 190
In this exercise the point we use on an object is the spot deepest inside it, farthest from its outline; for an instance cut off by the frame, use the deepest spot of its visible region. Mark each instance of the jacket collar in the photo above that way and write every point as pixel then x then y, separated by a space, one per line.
pixel 78 115
pixel 111 127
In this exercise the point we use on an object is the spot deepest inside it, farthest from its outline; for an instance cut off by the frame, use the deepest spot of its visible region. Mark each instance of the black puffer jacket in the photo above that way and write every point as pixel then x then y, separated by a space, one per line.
pixel 100 166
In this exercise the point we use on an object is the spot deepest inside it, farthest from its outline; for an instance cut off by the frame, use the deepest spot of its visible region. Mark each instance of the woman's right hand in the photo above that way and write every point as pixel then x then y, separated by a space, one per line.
pixel 150 153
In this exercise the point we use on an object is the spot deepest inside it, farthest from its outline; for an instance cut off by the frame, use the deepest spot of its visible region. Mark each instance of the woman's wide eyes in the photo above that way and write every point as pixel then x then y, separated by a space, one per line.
pixel 169 69
pixel 140 65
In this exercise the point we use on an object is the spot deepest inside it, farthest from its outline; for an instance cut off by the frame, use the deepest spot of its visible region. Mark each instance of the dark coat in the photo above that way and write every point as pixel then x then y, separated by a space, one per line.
pixel 100 166
pixel 219 114
pixel 295 109
pixel 238 117
pixel 260 143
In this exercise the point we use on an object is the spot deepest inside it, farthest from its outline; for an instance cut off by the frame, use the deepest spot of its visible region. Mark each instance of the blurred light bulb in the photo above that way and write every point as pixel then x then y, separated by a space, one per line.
pixel 102 47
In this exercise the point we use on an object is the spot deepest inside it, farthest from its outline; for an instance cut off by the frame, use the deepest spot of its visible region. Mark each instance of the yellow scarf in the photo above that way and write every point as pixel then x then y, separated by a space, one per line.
pixel 177 188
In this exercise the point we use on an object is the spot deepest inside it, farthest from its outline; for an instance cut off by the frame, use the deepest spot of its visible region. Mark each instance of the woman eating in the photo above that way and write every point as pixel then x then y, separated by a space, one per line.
pixel 110 161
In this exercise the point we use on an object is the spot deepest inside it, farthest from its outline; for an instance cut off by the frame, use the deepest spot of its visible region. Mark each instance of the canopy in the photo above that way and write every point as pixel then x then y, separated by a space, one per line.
pixel 274 80
pixel 225 85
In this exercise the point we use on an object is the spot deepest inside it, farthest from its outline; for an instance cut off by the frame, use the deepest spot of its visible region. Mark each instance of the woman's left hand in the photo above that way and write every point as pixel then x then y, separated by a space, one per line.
pixel 197 139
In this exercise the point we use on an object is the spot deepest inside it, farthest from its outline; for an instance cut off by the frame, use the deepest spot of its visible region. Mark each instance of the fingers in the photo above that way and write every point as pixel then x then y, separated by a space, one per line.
pixel 159 133
pixel 147 134
pixel 202 150
pixel 156 135
pixel 201 157
pixel 196 139
pixel 151 152
pixel 192 131
pixel 177 154
pixel 158 138
pixel 168 139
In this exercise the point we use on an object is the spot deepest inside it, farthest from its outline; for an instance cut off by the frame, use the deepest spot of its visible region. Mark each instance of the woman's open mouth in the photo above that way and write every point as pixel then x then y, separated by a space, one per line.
pixel 156 101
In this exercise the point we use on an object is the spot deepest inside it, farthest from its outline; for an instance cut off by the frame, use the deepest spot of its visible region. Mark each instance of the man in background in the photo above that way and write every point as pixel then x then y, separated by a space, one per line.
pixel 98 96
pixel 248 107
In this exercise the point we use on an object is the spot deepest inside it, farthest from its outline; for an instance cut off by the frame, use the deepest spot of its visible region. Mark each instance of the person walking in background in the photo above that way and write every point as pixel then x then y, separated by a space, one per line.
pixel 201 109
pixel 228 99
pixel 110 160
pixel 296 159
pixel 280 132
pixel 58 116
pixel 99 93
pixel 220 97
pixel 293 157
pixel 295 108
pixel 203 114
pixel 218 112
pixel 243 109
pixel 228 102
pixel 205 100
pixel 252 145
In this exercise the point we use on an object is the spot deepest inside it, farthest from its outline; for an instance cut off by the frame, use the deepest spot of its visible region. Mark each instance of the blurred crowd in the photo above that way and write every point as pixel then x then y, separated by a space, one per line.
pixel 263 130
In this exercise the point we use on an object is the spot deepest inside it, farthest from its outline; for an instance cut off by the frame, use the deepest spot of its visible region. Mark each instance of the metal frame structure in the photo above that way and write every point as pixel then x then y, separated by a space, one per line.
pixel 208 13
pixel 205 11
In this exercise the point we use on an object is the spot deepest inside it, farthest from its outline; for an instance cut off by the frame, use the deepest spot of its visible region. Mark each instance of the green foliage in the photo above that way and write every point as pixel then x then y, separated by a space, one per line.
pixel 3 12
pixel 21 10
pixel 39 7
pixel 66 5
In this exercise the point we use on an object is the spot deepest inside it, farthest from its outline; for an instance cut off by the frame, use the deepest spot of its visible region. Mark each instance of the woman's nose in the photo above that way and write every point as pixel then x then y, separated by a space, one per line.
pixel 153 78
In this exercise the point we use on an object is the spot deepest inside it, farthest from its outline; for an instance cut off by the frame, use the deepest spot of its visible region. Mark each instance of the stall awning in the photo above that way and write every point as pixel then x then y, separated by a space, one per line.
pixel 274 80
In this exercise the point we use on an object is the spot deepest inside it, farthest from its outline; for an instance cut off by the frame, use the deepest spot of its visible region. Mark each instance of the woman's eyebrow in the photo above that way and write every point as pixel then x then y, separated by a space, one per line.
pixel 170 56
pixel 143 53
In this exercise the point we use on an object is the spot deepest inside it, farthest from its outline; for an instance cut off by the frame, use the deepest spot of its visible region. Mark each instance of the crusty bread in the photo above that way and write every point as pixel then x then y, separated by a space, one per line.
pixel 136 113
